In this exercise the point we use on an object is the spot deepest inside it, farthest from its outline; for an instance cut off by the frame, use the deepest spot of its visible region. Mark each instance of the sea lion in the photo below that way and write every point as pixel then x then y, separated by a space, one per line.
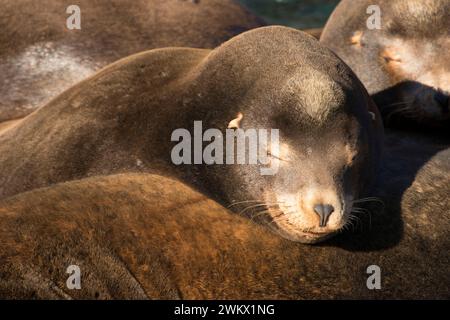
pixel 416 177
pixel 404 64
pixel 123 119
pixel 40 56
pixel 139 236
pixel 430 194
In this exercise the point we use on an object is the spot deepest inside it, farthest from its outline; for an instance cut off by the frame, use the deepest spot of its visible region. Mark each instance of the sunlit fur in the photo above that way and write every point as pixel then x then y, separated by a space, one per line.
pixel 405 64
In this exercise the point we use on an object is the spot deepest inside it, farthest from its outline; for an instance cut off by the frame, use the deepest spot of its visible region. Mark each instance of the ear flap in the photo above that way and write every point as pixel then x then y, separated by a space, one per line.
pixel 235 123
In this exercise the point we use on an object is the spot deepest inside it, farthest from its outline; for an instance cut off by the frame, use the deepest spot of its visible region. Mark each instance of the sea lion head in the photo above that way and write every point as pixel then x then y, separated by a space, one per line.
pixel 328 147
pixel 404 63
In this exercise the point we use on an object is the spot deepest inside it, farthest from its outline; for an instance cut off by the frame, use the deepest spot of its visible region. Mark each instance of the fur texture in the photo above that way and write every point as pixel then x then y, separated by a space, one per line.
pixel 139 236
pixel 405 64
pixel 40 57
pixel 122 120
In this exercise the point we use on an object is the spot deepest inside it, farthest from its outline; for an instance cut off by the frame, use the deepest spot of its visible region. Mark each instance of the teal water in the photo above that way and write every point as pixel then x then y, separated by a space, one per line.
pixel 300 14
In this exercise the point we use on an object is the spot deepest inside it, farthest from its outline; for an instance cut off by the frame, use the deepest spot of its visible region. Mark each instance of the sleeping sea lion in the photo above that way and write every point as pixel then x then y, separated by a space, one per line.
pixel 127 118
pixel 404 62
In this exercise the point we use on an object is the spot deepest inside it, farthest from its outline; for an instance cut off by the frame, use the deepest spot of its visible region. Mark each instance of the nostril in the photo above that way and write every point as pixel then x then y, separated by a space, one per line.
pixel 442 98
pixel 323 211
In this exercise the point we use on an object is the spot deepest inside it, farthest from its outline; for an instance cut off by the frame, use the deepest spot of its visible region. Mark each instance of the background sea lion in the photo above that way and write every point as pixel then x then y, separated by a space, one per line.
pixel 405 65
pixel 40 57
pixel 415 177
pixel 122 120
pixel 137 236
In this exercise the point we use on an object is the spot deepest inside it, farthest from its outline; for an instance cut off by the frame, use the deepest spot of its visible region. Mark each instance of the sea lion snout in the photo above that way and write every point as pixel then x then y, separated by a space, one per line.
pixel 423 86
pixel 424 102
pixel 324 211
pixel 312 214
pixel 321 210
pixel 407 58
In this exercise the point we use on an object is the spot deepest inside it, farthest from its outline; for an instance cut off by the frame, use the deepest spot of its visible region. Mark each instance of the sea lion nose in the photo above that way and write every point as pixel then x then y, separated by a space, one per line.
pixel 443 100
pixel 324 211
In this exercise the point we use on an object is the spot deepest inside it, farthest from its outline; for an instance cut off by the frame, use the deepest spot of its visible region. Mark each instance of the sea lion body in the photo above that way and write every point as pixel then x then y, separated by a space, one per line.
pixel 122 119
pixel 40 56
pixel 404 64
pixel 429 194
pixel 140 236
pixel 416 179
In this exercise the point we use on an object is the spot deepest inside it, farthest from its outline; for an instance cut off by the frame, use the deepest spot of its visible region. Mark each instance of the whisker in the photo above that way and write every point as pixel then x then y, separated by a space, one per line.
pixel 259 213
pixel 285 213
pixel 370 199
pixel 402 110
pixel 259 205
pixel 246 201
pixel 249 201
pixel 351 219
pixel 398 103
pixel 361 210
pixel 358 222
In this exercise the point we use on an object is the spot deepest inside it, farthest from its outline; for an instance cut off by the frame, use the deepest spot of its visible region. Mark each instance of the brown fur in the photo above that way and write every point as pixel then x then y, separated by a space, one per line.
pixel 405 64
pixel 429 194
pixel 138 236
pixel 122 118
pixel 8 124
pixel 40 57
pixel 316 33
